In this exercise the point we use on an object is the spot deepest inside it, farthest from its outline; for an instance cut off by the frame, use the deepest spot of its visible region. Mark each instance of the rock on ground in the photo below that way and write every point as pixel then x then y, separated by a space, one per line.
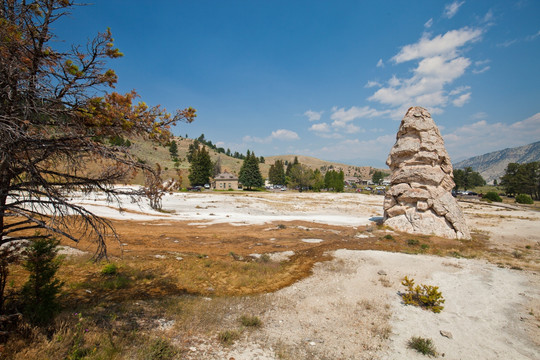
pixel 420 200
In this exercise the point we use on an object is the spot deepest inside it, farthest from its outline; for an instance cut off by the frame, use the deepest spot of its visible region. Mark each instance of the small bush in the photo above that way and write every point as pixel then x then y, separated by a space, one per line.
pixel 40 291
pixel 388 237
pixel 524 199
pixel 228 337
pixel 159 349
pixel 426 296
pixel 423 346
pixel 492 196
pixel 424 246
pixel 413 242
pixel 250 321
pixel 109 269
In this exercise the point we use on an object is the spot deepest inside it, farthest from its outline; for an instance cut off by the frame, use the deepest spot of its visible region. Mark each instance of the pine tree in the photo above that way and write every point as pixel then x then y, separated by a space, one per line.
pixel 276 174
pixel 201 167
pixel 173 150
pixel 250 174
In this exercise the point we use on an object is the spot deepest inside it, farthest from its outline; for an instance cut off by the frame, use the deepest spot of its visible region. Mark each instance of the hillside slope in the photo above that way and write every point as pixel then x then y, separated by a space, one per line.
pixel 493 165
pixel 155 154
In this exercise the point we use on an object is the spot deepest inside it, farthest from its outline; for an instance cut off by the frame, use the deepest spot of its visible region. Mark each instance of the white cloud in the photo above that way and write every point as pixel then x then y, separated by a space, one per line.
pixel 482 70
pixel 370 151
pixel 428 23
pixel 479 115
pixel 322 127
pixel 439 64
pixel 281 134
pixel 508 43
pixel 343 116
pixel 313 115
pixel 532 37
pixel 371 84
pixel 488 17
pixel 380 63
pixel 459 90
pixel 462 100
pixel 440 45
pixel 482 137
pixel 394 81
pixel 451 9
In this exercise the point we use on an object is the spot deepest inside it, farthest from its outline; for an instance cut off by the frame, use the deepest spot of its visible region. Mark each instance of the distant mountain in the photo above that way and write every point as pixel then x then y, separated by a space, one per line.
pixel 493 165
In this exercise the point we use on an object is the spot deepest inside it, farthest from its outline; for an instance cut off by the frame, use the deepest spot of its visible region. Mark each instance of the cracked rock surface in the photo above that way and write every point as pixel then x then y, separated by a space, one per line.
pixel 419 200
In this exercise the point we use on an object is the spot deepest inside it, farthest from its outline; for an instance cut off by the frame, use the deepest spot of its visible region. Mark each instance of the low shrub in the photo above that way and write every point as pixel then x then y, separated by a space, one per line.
pixel 39 293
pixel 524 199
pixel 109 269
pixel 228 337
pixel 159 349
pixel 422 345
pixel 388 237
pixel 426 296
pixel 412 242
pixel 250 321
pixel 492 196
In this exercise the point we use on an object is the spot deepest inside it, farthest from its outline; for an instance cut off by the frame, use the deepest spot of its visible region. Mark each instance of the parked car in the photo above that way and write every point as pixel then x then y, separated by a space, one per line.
pixel 194 188
pixel 367 188
pixel 207 186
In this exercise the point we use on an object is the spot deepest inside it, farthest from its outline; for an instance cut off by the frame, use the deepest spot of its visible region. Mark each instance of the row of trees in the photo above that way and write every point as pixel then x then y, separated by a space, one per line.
pixel 202 140
pixel 522 179
pixel 297 175
pixel 467 178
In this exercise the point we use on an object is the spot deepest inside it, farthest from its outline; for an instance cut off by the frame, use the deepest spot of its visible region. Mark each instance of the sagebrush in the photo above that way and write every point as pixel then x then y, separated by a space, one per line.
pixel 426 296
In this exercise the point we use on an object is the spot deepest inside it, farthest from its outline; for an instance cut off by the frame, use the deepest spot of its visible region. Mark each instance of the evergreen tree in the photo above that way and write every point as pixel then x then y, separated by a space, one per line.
pixel 194 146
pixel 317 180
pixel 41 290
pixel 377 177
pixel 173 150
pixel 276 174
pixel 334 180
pixel 250 174
pixel 201 167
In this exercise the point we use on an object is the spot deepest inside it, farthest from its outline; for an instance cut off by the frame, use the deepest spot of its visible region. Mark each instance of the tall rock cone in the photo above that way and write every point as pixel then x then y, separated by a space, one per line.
pixel 419 200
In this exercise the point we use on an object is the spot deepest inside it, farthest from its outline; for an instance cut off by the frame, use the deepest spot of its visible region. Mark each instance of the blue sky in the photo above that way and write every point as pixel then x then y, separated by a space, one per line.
pixel 330 79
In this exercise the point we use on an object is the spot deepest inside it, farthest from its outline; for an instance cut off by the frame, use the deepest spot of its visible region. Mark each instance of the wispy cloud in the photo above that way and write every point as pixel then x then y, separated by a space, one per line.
pixel 281 134
pixel 380 63
pixel 428 23
pixel 450 10
pixel 313 115
pixel 462 99
pixel 371 84
pixel 482 137
pixel 439 64
pixel 527 38
pixel 441 45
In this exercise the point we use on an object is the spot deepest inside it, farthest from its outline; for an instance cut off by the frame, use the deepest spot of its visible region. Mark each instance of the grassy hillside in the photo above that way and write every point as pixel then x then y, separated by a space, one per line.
pixel 156 154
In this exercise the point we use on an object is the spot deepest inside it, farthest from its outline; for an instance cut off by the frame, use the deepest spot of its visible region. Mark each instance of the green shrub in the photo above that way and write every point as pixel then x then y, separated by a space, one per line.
pixel 109 269
pixel 159 349
pixel 228 337
pixel 524 199
pixel 423 346
pixel 388 237
pixel 426 296
pixel 250 321
pixel 40 291
pixel 492 196
pixel 412 242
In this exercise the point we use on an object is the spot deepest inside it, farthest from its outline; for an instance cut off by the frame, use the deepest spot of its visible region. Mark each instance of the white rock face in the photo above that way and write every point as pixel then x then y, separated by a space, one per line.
pixel 419 200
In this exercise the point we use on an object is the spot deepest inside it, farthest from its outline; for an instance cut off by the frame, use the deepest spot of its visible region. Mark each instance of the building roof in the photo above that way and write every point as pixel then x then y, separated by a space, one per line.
pixel 226 176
